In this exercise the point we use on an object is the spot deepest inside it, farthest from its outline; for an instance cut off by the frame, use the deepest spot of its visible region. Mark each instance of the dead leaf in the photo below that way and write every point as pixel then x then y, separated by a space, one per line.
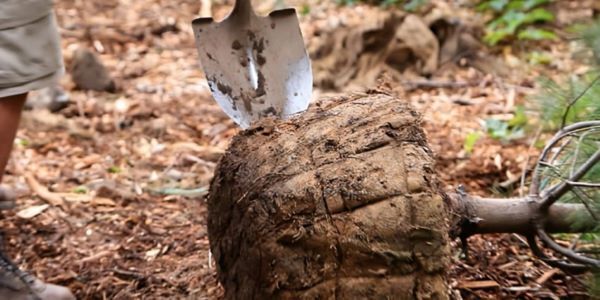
pixel 152 254
pixel 32 211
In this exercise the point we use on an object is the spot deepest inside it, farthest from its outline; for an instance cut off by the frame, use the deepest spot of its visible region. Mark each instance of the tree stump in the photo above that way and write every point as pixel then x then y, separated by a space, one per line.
pixel 341 202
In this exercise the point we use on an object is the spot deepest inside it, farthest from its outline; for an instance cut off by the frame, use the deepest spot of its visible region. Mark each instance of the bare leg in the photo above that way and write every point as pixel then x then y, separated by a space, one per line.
pixel 17 284
pixel 10 115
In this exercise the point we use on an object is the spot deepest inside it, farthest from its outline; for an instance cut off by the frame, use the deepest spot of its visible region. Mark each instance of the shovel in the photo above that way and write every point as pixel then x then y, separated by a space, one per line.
pixel 255 66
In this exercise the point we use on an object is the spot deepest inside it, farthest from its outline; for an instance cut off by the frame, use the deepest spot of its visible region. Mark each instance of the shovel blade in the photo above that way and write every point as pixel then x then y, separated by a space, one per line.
pixel 255 66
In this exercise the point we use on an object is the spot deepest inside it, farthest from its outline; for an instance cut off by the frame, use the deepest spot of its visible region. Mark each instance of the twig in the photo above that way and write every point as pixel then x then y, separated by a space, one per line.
pixel 567 110
pixel 572 255
pixel 127 274
pixel 561 189
pixel 191 193
pixel 583 184
pixel 483 284
pixel 562 148
pixel 574 241
pixel 42 192
pixel 535 181
pixel 526 163
pixel 585 203
pixel 575 268
pixel 577 148
pixel 438 84
pixel 569 130
pixel 96 256
pixel 547 275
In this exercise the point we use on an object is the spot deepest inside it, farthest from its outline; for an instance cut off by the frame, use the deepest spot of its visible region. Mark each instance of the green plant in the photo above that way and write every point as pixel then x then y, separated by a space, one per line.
pixel 81 190
pixel 470 140
pixel 562 103
pixel 305 9
pixel 114 170
pixel 508 130
pixel 595 285
pixel 539 58
pixel 591 37
pixel 516 19
pixel 577 97
pixel 573 100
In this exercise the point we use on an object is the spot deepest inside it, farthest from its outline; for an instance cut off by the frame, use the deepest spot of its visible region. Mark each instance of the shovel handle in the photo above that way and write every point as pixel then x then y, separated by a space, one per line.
pixel 243 7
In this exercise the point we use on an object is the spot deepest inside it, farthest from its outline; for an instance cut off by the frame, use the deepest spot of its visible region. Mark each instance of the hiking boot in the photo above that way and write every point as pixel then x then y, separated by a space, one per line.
pixel 19 285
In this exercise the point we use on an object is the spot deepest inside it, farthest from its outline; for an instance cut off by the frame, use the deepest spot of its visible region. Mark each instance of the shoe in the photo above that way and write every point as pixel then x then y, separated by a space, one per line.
pixel 16 284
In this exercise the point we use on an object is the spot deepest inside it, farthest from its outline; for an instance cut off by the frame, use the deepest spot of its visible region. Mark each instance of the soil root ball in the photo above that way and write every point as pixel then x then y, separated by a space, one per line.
pixel 340 202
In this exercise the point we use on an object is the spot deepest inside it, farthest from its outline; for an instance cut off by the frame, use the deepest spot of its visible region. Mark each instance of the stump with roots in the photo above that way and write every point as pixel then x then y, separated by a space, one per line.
pixel 342 202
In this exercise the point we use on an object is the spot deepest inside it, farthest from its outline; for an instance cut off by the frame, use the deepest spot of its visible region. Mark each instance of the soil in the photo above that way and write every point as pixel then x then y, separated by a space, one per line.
pixel 340 202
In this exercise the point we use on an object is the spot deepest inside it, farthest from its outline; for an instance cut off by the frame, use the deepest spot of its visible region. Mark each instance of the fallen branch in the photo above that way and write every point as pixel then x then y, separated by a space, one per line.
pixel 547 275
pixel 516 215
pixel 42 192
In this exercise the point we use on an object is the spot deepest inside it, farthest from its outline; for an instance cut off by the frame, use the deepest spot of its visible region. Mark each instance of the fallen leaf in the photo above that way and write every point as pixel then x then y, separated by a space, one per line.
pixel 32 211
pixel 152 254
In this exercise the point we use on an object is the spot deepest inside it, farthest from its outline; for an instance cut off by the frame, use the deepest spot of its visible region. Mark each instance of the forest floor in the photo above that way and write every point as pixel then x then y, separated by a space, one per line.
pixel 132 166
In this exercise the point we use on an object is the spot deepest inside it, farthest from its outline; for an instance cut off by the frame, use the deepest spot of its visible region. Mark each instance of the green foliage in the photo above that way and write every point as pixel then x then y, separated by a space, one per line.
pixel 575 102
pixel 80 190
pixel 508 130
pixel 537 34
pixel 579 95
pixel 516 19
pixel 566 159
pixel 595 285
pixel 414 5
pixel 114 170
pixel 539 58
pixel 22 142
pixel 575 99
pixel 305 9
pixel 591 38
pixel 470 141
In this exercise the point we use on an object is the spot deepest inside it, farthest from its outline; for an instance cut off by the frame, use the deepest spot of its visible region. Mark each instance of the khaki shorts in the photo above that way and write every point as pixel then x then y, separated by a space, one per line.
pixel 30 56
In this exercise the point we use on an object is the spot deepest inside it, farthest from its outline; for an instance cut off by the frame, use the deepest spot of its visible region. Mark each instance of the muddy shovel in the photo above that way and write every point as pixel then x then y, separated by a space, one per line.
pixel 255 66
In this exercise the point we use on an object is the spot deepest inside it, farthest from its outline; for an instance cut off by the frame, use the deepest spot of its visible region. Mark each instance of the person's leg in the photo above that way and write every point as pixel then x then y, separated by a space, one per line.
pixel 10 115
pixel 14 283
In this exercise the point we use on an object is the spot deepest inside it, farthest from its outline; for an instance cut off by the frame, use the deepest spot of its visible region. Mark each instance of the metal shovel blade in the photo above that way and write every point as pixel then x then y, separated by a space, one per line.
pixel 255 66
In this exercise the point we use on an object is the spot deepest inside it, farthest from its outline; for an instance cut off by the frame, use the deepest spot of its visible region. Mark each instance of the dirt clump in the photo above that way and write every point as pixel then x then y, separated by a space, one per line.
pixel 339 202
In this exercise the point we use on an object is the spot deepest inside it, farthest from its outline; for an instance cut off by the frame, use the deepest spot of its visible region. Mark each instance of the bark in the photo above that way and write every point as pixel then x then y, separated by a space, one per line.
pixel 517 215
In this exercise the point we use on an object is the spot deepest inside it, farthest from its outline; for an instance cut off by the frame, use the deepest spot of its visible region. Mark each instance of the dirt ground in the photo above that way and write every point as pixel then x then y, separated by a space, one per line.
pixel 132 167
